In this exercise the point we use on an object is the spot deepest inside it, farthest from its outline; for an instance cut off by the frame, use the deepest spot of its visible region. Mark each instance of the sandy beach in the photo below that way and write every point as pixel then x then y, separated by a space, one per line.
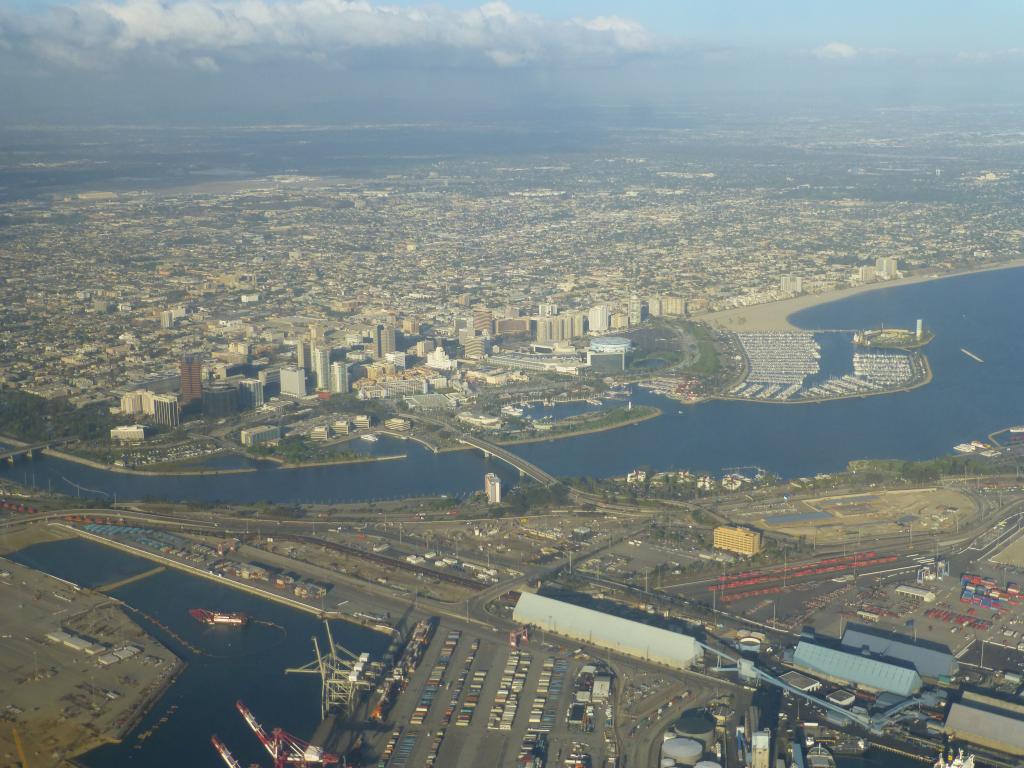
pixel 774 316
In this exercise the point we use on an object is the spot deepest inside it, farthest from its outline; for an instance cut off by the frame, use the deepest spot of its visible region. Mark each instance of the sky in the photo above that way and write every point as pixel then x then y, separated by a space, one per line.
pixel 236 61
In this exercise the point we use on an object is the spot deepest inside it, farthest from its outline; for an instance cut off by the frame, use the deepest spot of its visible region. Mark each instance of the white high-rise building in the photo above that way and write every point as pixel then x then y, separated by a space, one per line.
pixel 599 318
pixel 250 394
pixel 886 267
pixel 492 485
pixel 547 309
pixel 322 368
pixel 340 383
pixel 792 284
pixel 293 381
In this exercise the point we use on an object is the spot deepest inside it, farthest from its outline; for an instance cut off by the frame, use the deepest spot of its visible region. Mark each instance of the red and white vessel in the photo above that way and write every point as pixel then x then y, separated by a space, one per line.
pixel 218 618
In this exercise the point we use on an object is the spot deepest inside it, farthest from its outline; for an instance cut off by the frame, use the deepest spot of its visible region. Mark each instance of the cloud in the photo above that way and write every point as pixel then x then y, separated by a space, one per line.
pixel 836 50
pixel 98 34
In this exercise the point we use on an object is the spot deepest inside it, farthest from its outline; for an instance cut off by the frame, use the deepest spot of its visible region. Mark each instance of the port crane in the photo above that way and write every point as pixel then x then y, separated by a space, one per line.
pixel 285 749
pixel 225 753
pixel 341 673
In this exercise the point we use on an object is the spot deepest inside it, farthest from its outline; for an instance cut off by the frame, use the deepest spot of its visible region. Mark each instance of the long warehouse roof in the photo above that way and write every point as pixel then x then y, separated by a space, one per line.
pixel 997 730
pixel 855 668
pixel 606 630
pixel 928 662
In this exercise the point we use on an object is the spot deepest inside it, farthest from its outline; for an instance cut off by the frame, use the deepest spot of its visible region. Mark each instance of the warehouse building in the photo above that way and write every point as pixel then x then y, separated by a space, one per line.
pixel 930 662
pixel 866 672
pixel 987 722
pixel 630 638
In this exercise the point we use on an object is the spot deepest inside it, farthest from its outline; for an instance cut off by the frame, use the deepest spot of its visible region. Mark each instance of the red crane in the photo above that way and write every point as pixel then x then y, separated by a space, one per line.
pixel 224 753
pixel 286 750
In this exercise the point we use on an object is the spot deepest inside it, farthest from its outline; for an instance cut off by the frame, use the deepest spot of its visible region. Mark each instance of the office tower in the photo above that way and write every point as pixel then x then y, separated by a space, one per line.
pixel 322 368
pixel 424 347
pixel 599 318
pixel 191 379
pixel 293 381
pixel 165 410
pixel 636 310
pixel 483 322
pixel 384 340
pixel 397 359
pixel 250 394
pixel 340 383
pixel 492 486
pixel 792 284
pixel 219 402
pixel 302 355
pixel 920 329
pixel 475 347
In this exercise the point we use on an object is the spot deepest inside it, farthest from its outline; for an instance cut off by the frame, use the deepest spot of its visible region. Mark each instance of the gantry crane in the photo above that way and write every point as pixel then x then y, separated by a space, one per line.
pixel 341 672
pixel 285 749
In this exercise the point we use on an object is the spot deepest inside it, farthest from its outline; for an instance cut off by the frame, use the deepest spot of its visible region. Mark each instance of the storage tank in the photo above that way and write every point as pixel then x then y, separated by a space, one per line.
pixel 668 762
pixel 697 724
pixel 707 764
pixel 683 751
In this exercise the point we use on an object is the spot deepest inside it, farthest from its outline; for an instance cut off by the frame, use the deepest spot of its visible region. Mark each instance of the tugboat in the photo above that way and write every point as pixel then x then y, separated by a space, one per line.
pixel 217 618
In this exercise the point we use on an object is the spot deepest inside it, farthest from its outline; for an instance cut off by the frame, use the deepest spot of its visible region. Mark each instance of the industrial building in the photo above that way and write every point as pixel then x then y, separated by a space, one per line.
pixel 930 662
pixel 866 672
pixel 630 638
pixel 742 541
pixel 987 722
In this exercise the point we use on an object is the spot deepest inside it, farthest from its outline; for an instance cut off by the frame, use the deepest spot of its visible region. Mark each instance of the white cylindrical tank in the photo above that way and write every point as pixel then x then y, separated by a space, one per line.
pixel 668 762
pixel 683 751
pixel 707 764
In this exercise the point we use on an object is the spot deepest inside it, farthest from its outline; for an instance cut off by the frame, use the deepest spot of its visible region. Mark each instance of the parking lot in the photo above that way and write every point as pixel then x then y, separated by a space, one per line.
pixel 476 700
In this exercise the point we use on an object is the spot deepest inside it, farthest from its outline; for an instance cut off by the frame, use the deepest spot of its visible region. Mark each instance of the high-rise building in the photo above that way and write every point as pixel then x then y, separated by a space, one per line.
pixel 219 402
pixel 293 381
pixel 637 311
pixel 302 355
pixel 321 358
pixel 547 309
pixel 191 379
pixel 599 318
pixel 492 486
pixel 886 267
pixel 792 284
pixel 475 347
pixel 654 306
pixel 483 322
pixel 920 329
pixel 673 306
pixel 340 383
pixel 250 394
pixel 559 327
pixel 384 340
pixel 165 410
